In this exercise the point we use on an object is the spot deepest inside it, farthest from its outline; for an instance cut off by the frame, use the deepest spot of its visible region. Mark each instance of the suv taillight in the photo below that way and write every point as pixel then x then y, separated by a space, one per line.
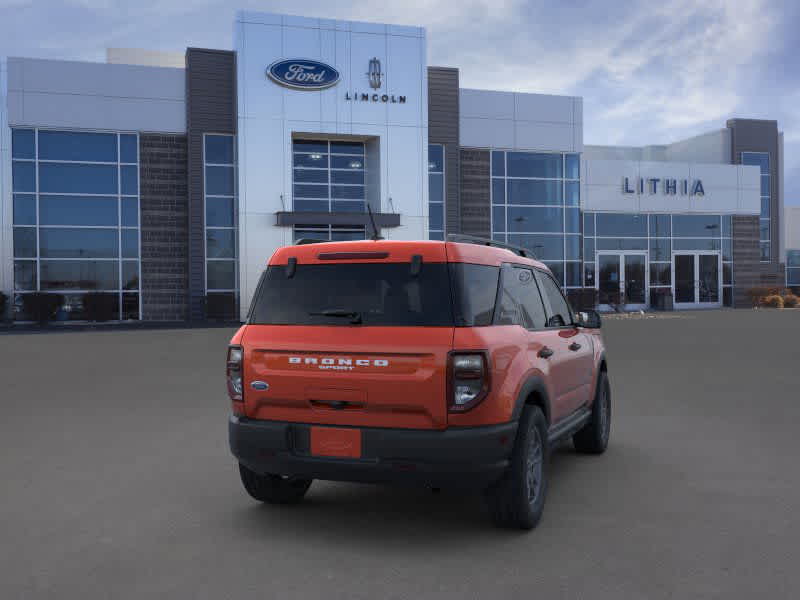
pixel 468 379
pixel 234 373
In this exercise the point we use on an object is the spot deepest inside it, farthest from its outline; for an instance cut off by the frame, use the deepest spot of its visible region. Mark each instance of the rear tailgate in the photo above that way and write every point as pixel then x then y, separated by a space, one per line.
pixel 352 375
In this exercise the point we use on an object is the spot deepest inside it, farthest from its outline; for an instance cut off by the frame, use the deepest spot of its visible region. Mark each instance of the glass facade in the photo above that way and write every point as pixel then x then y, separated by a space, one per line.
pixel 328 176
pixel 221 222
pixel 536 205
pixel 793 268
pixel 761 160
pixel 660 235
pixel 436 192
pixel 76 220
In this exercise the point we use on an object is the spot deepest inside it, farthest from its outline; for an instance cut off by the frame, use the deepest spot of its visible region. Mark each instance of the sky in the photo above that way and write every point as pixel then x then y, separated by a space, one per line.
pixel 649 72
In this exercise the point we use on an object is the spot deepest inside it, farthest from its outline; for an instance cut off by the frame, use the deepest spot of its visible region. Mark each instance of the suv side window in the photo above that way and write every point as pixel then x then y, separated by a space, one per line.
pixel 520 301
pixel 560 314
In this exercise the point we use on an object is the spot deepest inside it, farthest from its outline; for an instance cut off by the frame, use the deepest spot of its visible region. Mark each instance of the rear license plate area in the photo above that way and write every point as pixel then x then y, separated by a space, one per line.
pixel 335 442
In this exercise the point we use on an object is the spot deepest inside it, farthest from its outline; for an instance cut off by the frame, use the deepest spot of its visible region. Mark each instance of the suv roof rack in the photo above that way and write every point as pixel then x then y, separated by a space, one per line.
pixel 471 239
pixel 304 241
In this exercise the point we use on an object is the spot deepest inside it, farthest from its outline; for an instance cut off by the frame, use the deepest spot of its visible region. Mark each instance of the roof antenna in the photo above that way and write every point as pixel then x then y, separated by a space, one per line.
pixel 375 236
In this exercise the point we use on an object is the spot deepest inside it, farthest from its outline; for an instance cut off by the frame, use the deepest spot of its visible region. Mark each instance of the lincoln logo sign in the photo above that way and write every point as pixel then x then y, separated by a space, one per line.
pixel 669 187
pixel 302 74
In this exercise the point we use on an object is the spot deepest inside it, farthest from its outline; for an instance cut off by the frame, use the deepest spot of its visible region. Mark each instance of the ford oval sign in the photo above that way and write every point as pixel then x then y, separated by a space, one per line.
pixel 303 74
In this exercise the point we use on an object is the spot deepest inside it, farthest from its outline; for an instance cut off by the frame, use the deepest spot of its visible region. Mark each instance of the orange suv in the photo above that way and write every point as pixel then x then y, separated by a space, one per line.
pixel 455 363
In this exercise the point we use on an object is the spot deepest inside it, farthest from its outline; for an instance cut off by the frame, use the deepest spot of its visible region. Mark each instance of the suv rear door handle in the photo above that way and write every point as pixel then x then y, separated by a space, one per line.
pixel 574 346
pixel 545 353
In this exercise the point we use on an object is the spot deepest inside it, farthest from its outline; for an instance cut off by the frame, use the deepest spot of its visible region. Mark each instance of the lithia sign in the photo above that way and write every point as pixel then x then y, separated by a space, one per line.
pixel 667 186
pixel 306 74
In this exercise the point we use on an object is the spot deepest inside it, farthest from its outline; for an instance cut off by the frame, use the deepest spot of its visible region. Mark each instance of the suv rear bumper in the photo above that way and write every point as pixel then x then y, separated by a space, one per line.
pixel 456 457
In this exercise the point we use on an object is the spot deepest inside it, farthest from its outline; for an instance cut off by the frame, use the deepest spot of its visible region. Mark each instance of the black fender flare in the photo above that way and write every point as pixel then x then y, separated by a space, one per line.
pixel 535 383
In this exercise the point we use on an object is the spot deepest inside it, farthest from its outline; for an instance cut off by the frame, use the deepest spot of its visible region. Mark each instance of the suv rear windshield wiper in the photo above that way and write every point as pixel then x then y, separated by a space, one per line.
pixel 354 316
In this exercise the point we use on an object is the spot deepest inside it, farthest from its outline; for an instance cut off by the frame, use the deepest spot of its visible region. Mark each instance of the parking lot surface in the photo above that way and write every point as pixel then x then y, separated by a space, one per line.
pixel 117 482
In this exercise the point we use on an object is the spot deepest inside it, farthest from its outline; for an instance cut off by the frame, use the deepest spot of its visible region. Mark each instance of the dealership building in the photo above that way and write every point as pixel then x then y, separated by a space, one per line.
pixel 167 180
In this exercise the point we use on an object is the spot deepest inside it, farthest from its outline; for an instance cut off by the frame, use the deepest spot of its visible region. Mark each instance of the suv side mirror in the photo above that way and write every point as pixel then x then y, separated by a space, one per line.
pixel 589 319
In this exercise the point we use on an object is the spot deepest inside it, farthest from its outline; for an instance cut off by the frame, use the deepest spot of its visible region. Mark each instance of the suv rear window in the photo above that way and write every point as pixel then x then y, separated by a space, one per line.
pixel 379 294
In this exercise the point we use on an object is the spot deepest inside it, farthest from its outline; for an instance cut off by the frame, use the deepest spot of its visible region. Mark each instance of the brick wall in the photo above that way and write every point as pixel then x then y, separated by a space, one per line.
pixel 475 198
pixel 165 227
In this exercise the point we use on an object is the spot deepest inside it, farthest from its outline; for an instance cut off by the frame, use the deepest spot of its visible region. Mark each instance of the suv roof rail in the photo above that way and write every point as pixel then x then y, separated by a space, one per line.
pixel 471 239
pixel 304 241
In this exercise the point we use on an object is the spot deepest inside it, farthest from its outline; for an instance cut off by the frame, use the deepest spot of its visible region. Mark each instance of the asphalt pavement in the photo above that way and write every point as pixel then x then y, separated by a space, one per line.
pixel 117 482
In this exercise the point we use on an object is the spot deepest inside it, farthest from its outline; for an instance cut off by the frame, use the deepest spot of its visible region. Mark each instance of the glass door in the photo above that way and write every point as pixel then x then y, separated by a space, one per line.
pixel 697 279
pixel 622 280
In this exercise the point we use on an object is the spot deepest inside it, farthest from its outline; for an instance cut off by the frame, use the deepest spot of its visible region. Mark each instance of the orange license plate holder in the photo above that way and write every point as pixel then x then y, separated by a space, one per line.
pixel 337 442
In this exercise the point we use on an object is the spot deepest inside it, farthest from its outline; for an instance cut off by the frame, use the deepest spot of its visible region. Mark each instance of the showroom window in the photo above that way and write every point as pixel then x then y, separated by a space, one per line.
pixel 793 268
pixel 328 176
pixel 761 160
pixel 222 276
pixel 329 233
pixel 76 221
pixel 435 191
pixel 659 235
pixel 536 205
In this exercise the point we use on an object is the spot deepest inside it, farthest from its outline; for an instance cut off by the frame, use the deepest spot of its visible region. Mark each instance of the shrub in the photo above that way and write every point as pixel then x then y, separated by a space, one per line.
pixel 99 306
pixel 41 306
pixel 790 301
pixel 3 306
pixel 773 301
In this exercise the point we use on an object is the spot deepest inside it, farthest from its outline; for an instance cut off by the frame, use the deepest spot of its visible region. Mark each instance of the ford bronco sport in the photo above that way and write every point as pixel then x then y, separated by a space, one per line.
pixel 455 363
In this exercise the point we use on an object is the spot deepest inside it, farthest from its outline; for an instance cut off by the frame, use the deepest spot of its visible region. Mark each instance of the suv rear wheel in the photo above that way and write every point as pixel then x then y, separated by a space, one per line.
pixel 274 489
pixel 593 437
pixel 517 500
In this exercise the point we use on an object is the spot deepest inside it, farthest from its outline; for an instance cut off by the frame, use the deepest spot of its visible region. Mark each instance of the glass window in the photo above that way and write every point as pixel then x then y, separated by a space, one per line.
pixel 347 192
pixel 23 176
pixel 219 149
pixel 347 148
pixel 527 191
pixel 498 218
pixel 763 229
pixel 219 212
pixel 696 225
pixel 621 225
pixel 727 296
pixel 540 219
pixel 57 242
pixel 357 177
pixel 130 275
pixel 77 210
pixel 520 301
pixel 498 163
pixel 621 243
pixel 695 244
pixel 130 243
pixel 530 164
pixel 588 249
pixel 23 143
pixel 727 226
pixel 318 161
pixel 544 247
pixel 573 166
pixel 588 274
pixel 765 191
pixel 765 251
pixel 793 258
pixel 128 148
pixel 660 274
pixel 347 206
pixel 66 178
pixel 498 191
pixel 435 158
pixel 311 175
pixel 345 162
pixel 130 212
pixel 557 269
pixel 572 191
pixel 130 306
pixel 588 224
pixel 660 249
pixel 312 205
pixel 572 220
pixel 572 246
pixel 220 243
pixel 573 274
pixel 765 207
pixel 25 275
pixel 436 217
pixel 79 275
pixel 660 226
pixel 727 273
pixel 559 312
pixel 221 274
pixel 25 242
pixel 347 232
pixel 759 159
pixel 129 180
pixel 312 146
pixel 77 146
pixel 219 181
pixel 475 290
pixel 310 191
pixel 24 209
pixel 384 294
pixel 436 192
pixel 727 249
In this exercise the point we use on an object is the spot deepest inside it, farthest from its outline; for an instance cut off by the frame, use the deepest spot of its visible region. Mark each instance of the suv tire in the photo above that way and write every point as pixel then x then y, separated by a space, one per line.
pixel 593 437
pixel 517 500
pixel 273 489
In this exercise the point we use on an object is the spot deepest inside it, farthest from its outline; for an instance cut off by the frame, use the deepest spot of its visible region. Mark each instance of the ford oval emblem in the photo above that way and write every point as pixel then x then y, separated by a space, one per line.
pixel 303 74
pixel 260 385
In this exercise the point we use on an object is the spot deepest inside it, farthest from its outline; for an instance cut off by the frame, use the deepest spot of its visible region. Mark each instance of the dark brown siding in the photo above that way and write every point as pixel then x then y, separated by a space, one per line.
pixel 164 226
pixel 475 198
pixel 746 253
pixel 443 129
pixel 210 108
pixel 753 135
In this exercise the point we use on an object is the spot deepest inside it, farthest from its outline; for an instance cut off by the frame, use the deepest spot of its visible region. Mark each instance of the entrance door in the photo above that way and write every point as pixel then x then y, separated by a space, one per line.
pixel 697 279
pixel 622 280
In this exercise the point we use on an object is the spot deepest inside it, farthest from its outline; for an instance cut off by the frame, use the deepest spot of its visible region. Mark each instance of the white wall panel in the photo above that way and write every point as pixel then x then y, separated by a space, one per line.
pixel 540 135
pixel 486 104
pixel 486 133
